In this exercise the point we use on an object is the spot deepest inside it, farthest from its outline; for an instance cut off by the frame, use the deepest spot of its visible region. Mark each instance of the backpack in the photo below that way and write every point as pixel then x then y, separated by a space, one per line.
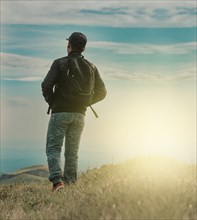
pixel 78 81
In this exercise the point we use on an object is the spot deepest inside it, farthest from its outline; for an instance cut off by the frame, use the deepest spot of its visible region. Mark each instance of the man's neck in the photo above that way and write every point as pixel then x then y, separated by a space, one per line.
pixel 73 53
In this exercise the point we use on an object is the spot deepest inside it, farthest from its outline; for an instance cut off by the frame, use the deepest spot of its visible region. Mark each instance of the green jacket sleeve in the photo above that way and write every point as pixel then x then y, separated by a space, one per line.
pixel 99 88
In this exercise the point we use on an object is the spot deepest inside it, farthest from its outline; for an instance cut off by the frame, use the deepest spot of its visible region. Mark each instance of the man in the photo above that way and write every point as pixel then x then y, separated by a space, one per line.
pixel 67 118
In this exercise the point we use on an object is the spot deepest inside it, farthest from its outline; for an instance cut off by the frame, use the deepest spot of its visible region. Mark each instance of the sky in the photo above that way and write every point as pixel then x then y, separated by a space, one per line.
pixel 146 54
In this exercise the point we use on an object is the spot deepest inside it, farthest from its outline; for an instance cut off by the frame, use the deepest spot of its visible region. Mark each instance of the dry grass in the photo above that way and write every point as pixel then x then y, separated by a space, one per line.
pixel 143 188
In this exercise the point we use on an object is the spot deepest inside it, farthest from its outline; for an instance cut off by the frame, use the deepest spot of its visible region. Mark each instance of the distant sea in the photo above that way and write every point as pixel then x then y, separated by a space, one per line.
pixel 16 158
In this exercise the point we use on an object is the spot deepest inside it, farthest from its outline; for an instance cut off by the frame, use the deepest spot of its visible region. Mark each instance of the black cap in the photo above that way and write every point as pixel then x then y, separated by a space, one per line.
pixel 78 39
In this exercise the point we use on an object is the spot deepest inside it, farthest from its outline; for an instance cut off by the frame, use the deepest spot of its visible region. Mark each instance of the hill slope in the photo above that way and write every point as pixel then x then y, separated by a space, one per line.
pixel 27 174
pixel 149 188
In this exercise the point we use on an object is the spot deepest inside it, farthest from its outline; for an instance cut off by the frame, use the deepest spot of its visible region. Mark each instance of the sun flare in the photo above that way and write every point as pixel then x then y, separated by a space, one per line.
pixel 153 123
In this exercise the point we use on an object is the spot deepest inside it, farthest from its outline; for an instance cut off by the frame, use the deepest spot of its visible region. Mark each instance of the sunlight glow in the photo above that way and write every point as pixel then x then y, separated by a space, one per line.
pixel 160 169
pixel 157 122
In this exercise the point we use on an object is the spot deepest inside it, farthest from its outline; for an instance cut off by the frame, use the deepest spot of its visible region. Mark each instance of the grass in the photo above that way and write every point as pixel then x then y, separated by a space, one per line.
pixel 142 188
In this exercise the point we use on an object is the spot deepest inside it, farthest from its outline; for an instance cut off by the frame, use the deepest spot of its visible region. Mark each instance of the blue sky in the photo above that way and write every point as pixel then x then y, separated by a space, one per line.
pixel 146 54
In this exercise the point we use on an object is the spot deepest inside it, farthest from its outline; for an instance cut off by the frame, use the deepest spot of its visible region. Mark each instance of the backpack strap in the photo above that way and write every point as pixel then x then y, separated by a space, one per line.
pixel 96 115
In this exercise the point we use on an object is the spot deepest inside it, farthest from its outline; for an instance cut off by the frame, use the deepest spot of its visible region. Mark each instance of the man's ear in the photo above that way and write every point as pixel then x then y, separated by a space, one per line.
pixel 69 45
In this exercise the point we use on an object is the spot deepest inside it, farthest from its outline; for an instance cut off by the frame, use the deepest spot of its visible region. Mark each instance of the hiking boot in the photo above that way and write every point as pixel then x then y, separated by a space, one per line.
pixel 57 186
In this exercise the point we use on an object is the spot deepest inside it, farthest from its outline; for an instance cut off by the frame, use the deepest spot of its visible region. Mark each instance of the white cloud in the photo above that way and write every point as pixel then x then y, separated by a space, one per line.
pixel 23 68
pixel 147 76
pixel 18 102
pixel 125 48
pixel 104 13
pixel 24 79
pixel 14 60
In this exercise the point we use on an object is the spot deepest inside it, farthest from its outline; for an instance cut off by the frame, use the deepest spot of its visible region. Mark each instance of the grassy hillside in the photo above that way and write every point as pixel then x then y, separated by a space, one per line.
pixel 27 174
pixel 143 188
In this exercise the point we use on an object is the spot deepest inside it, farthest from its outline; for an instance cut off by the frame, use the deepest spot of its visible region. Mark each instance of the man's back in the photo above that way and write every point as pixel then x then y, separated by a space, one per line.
pixel 62 99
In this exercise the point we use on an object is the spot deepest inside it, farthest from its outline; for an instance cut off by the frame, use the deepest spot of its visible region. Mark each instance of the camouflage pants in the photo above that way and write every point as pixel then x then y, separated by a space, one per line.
pixel 68 125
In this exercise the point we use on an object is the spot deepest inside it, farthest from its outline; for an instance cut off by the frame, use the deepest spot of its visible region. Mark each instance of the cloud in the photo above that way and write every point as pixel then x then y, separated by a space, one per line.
pixel 101 13
pixel 24 79
pixel 18 102
pixel 23 68
pixel 14 60
pixel 147 76
pixel 125 48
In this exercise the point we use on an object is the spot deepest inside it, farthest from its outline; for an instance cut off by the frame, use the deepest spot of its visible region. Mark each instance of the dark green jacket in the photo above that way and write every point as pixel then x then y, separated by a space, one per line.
pixel 58 102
